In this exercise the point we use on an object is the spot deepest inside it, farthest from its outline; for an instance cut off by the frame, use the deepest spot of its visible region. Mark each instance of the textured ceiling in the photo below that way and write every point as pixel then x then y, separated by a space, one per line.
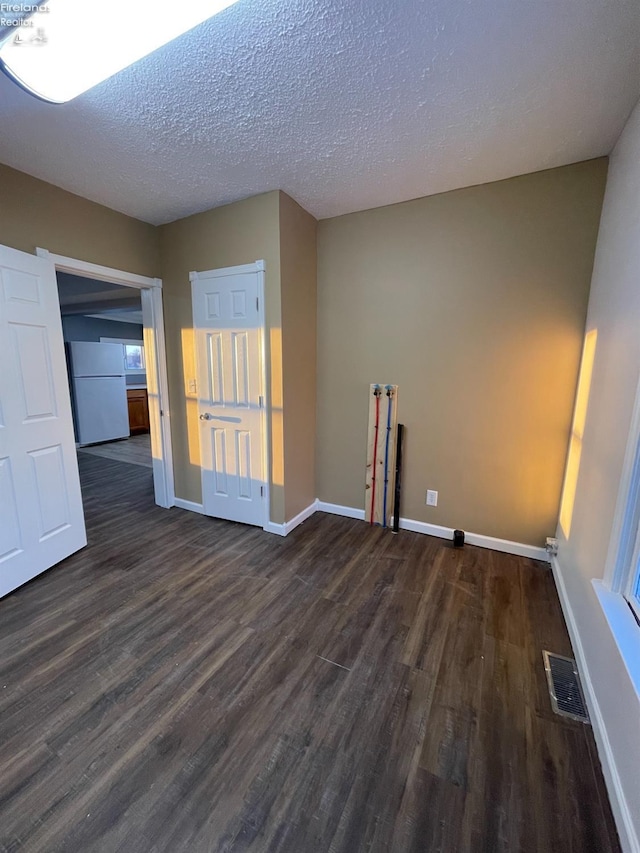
pixel 344 104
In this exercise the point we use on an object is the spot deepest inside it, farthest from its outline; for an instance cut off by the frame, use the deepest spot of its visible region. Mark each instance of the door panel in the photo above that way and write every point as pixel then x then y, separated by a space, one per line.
pixel 240 351
pixel 214 368
pixel 10 534
pixel 20 286
pixel 228 353
pixel 31 348
pixel 51 489
pixel 243 455
pixel 41 515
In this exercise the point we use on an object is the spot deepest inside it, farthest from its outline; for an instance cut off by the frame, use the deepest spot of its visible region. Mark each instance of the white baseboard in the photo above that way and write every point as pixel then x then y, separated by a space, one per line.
pixel 628 837
pixel 278 529
pixel 533 552
pixel 288 526
pixel 336 509
pixel 491 542
pixel 192 506
pixel 494 544
pixel 270 527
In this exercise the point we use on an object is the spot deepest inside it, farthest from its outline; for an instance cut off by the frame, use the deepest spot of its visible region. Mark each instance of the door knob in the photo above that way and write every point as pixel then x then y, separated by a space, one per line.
pixel 206 417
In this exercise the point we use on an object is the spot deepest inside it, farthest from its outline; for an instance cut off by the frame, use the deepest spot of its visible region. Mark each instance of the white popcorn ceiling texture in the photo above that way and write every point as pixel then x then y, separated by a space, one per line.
pixel 344 105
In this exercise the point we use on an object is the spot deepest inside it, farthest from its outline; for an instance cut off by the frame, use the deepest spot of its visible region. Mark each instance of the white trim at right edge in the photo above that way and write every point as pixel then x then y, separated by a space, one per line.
pixel 625 629
pixel 628 838
pixel 505 545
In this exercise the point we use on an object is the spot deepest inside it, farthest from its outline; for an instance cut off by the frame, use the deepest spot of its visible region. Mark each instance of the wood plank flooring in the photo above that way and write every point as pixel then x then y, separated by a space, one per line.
pixel 135 450
pixel 187 684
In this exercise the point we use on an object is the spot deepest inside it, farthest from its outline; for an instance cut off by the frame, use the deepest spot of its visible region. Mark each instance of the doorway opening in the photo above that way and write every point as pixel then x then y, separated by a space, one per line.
pixel 114 339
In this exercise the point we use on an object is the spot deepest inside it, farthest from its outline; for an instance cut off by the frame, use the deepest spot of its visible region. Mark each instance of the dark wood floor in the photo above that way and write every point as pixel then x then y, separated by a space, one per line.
pixel 193 685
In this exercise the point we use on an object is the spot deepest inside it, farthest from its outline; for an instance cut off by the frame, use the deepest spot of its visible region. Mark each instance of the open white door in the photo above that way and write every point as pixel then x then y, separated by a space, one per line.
pixel 228 337
pixel 41 514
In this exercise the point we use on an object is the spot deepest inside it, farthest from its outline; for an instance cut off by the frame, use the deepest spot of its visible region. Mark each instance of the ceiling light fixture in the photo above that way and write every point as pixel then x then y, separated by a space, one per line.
pixel 67 46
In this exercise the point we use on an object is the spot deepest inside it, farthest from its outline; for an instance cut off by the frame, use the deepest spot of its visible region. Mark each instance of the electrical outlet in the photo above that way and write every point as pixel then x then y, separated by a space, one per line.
pixel 432 498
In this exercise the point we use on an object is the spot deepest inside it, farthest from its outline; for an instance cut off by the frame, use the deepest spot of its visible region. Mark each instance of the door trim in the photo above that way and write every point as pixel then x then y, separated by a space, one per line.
pixel 259 268
pixel 152 315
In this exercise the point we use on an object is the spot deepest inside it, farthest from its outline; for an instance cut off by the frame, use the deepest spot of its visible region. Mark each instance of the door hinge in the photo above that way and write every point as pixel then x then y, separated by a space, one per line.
pixel 261 401
pixel 261 491
pixel 257 303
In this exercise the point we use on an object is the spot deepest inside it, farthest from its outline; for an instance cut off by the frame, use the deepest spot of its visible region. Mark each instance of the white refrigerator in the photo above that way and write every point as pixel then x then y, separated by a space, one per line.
pixel 99 391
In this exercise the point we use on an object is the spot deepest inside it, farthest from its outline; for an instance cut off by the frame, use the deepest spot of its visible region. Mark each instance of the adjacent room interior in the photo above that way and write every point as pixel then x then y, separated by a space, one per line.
pixel 101 313
pixel 240 608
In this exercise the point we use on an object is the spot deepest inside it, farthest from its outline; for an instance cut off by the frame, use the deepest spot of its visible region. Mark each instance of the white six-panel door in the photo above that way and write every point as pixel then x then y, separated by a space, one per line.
pixel 228 329
pixel 41 514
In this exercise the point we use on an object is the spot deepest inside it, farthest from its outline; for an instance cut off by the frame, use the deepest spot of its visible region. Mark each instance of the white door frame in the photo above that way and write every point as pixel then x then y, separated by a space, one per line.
pixel 154 340
pixel 259 268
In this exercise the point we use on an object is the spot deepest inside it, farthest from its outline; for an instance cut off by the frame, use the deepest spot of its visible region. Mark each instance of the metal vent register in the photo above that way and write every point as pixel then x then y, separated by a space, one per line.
pixel 565 690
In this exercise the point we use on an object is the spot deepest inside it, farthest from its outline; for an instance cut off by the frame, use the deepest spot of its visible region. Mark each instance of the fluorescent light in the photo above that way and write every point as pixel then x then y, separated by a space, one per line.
pixel 68 46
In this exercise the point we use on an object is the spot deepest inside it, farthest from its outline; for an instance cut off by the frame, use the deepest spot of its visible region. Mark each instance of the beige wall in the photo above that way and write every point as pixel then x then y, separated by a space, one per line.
pixel 239 233
pixel 298 265
pixel 34 213
pixel 614 311
pixel 474 303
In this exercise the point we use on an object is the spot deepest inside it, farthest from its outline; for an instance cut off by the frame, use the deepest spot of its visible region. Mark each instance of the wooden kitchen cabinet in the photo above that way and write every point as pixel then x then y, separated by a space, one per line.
pixel 138 410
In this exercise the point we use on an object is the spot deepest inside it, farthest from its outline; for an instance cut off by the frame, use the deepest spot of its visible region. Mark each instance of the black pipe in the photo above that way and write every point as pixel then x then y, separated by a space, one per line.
pixel 396 498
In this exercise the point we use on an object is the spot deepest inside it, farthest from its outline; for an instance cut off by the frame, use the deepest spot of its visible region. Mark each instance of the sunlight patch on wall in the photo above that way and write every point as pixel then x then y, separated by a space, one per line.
pixel 277 426
pixel 577 432
pixel 191 396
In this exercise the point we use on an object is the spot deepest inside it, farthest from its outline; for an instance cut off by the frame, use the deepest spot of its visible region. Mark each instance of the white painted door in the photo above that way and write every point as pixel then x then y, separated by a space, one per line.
pixel 228 329
pixel 41 515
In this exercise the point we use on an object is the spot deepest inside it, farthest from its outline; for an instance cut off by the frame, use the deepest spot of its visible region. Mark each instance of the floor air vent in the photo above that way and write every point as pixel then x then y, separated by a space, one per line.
pixel 565 690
